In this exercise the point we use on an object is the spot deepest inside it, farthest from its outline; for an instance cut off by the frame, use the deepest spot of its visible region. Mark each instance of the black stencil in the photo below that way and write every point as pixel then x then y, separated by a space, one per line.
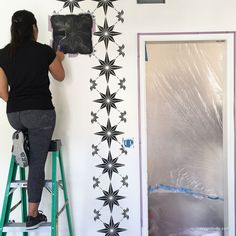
pixel 72 33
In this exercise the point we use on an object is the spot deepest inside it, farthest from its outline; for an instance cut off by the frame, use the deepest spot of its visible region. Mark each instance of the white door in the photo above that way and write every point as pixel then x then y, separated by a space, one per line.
pixel 187 134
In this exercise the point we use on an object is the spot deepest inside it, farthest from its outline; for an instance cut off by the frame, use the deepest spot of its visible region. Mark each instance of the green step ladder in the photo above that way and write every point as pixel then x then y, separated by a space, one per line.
pixel 52 186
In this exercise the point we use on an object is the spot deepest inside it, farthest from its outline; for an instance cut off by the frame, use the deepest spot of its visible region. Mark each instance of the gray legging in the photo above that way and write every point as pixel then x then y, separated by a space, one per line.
pixel 39 124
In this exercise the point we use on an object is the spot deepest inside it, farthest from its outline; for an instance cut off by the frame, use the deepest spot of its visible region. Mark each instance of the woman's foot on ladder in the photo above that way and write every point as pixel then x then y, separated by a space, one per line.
pixel 20 149
pixel 35 222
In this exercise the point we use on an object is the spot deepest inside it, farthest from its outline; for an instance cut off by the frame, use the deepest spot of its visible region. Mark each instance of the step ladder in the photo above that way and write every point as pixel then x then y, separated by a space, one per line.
pixel 52 186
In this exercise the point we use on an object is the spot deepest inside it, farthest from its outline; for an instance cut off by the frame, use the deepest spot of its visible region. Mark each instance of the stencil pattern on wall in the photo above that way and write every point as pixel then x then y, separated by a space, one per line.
pixel 107 117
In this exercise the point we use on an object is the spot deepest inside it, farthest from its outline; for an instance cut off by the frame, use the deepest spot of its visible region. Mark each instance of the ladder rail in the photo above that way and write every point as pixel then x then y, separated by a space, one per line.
pixel 23 199
pixel 69 221
pixel 54 228
pixel 7 198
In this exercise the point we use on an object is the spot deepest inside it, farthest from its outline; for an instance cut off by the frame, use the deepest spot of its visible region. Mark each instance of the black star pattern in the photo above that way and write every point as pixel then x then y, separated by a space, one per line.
pixel 96 182
pixel 93 84
pixel 124 181
pixel 95 117
pixel 95 150
pixel 108 100
pixel 121 83
pixel 107 67
pixel 111 198
pixel 120 50
pixel 106 33
pixel 109 133
pixel 120 16
pixel 71 4
pixel 105 4
pixel 122 116
pixel 125 215
pixel 111 229
pixel 110 165
pixel 97 215
pixel 123 150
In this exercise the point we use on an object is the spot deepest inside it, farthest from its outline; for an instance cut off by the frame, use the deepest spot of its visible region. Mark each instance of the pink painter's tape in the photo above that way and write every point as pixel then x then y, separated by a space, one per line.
pixel 49 24
pixel 72 55
pixel 94 26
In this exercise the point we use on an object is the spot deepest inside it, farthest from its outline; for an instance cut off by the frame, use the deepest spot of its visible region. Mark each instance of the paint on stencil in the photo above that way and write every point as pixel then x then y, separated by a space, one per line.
pixel 72 33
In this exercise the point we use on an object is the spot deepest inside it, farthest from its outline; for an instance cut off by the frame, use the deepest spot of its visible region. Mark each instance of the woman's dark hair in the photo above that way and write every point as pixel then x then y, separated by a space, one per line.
pixel 21 28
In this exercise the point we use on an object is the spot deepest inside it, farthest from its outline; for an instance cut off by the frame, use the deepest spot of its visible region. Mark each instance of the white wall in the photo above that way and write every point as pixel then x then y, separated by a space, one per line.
pixel 74 100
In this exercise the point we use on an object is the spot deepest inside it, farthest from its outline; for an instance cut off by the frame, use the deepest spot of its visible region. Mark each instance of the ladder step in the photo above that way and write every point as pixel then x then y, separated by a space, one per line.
pixel 23 184
pixel 20 227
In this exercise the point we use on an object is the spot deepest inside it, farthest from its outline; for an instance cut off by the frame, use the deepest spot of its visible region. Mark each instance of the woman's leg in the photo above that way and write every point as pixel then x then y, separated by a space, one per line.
pixel 40 125
pixel 15 122
pixel 33 209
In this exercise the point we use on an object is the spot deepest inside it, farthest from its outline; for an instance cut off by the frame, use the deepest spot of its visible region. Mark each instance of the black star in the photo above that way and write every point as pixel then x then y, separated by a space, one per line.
pixel 105 4
pixel 71 4
pixel 111 198
pixel 109 133
pixel 106 33
pixel 111 229
pixel 110 165
pixel 107 67
pixel 108 100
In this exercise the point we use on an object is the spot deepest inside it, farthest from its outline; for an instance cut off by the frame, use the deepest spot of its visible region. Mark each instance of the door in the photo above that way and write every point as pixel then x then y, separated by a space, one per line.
pixel 187 135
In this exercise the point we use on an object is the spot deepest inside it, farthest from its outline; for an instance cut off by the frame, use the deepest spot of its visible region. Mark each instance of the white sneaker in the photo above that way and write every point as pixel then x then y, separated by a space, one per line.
pixel 19 151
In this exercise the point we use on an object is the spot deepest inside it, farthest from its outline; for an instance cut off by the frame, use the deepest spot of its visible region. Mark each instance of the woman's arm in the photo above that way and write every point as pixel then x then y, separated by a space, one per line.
pixel 3 85
pixel 56 69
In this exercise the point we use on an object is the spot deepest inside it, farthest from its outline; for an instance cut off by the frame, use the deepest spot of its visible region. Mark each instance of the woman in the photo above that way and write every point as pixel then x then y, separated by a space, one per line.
pixel 24 66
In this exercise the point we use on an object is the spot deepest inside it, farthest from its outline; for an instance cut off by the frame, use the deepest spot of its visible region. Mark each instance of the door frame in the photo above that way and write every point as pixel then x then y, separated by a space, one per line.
pixel 228 122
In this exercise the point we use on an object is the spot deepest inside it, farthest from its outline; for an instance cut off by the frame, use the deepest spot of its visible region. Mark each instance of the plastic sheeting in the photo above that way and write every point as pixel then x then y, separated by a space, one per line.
pixel 184 97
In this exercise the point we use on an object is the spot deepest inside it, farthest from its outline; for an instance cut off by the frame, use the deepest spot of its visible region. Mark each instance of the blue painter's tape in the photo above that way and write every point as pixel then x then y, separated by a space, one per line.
pixel 146 54
pixel 188 191
pixel 128 142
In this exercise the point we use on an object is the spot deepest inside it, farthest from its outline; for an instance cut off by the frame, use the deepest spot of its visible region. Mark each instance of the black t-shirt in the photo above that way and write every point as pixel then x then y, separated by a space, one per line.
pixel 27 74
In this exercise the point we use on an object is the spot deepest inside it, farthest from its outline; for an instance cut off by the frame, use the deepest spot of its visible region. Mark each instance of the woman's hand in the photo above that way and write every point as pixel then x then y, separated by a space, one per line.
pixel 60 55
